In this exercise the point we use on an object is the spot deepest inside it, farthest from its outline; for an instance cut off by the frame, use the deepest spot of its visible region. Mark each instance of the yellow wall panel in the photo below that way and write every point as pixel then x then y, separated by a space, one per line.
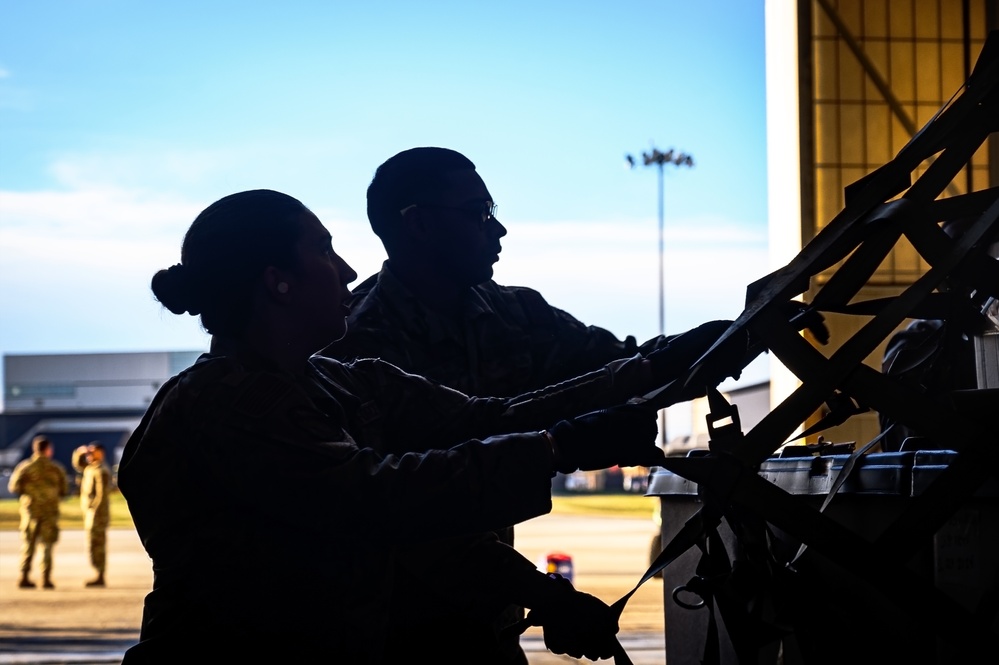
pixel 952 73
pixel 827 76
pixel 900 18
pixel 827 136
pixel 875 19
pixel 852 131
pixel 902 73
pixel 878 148
pixel 951 25
pixel 851 77
pixel 928 86
pixel 927 19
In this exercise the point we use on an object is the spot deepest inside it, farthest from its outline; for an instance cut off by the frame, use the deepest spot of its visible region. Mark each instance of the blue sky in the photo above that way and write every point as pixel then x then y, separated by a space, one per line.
pixel 121 120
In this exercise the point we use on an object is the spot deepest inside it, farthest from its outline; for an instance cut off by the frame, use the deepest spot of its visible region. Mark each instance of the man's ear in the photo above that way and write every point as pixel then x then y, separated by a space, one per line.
pixel 415 225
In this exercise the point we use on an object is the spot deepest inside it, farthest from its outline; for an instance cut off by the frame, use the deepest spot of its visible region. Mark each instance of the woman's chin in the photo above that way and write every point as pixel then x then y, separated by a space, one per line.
pixel 337 333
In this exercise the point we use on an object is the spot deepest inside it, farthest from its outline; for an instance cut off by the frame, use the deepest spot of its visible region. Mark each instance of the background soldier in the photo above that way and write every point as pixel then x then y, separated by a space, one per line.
pixel 41 483
pixel 95 501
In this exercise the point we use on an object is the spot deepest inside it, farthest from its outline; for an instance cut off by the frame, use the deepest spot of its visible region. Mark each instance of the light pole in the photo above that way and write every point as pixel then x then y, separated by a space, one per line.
pixel 660 159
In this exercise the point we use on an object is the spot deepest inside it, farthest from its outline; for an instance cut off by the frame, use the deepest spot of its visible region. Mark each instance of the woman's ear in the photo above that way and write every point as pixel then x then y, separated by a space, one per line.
pixel 276 283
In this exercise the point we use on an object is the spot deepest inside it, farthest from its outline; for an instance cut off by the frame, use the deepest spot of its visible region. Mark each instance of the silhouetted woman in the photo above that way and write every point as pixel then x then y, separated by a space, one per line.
pixel 252 481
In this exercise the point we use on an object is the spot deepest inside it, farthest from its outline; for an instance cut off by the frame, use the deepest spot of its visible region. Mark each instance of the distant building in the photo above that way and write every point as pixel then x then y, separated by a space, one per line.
pixel 78 398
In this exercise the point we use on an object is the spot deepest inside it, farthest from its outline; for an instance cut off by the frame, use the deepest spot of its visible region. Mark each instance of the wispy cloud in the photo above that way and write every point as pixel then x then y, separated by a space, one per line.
pixel 606 273
pixel 76 266
pixel 12 96
pixel 66 248
pixel 97 212
pixel 147 165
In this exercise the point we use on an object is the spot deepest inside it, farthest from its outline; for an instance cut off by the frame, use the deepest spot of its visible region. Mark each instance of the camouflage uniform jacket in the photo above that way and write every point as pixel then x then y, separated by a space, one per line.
pixel 95 493
pixel 510 341
pixel 236 467
pixel 41 483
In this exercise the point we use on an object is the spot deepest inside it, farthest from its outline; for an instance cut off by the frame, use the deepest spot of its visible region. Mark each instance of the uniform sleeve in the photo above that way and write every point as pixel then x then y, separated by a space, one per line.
pixel 615 383
pixel 263 448
pixel 414 413
pixel 574 348
pixel 15 485
pixel 452 569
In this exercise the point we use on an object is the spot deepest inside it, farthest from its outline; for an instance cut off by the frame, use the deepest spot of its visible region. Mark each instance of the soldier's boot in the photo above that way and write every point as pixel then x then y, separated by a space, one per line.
pixel 97 581
pixel 47 582
pixel 25 583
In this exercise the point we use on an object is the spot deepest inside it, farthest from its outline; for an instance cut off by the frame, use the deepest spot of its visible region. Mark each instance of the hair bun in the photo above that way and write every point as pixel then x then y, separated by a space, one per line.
pixel 172 287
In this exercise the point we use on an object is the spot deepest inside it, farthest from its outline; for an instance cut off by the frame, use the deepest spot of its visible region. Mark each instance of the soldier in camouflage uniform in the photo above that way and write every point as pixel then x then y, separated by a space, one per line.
pixel 434 310
pixel 95 501
pixel 262 482
pixel 41 483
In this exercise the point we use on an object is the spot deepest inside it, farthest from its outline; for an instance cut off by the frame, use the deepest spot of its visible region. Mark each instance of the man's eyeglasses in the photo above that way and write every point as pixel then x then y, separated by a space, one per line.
pixel 487 211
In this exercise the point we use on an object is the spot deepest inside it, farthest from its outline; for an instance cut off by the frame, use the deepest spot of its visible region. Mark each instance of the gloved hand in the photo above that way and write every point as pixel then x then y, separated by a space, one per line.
pixel 682 351
pixel 576 623
pixel 623 435
pixel 801 316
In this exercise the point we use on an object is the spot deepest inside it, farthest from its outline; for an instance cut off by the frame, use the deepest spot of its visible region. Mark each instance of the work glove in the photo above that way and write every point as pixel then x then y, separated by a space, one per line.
pixel 623 435
pixel 576 623
pixel 801 316
pixel 682 351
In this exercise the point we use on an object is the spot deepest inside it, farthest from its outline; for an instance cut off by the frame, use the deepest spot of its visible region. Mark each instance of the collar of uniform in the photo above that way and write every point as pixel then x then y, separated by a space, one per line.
pixel 393 293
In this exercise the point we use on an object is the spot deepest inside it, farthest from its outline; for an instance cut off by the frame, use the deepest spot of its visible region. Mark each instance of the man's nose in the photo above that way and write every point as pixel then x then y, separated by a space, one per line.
pixel 496 228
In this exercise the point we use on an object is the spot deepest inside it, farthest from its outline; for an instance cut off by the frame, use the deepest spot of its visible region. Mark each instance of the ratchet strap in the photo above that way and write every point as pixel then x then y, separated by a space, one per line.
pixel 756 590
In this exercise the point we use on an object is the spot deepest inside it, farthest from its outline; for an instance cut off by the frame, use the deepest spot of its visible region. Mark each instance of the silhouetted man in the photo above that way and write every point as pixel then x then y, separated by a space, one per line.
pixel 434 310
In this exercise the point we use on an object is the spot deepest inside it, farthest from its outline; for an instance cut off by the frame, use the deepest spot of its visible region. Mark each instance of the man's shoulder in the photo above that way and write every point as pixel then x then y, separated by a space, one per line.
pixel 376 299
pixel 498 290
pixel 380 300
pixel 384 316
pixel 44 465
pixel 521 304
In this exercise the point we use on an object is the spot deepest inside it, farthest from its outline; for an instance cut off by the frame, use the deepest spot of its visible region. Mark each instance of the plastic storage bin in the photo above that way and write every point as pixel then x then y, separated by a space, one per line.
pixel 847 619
